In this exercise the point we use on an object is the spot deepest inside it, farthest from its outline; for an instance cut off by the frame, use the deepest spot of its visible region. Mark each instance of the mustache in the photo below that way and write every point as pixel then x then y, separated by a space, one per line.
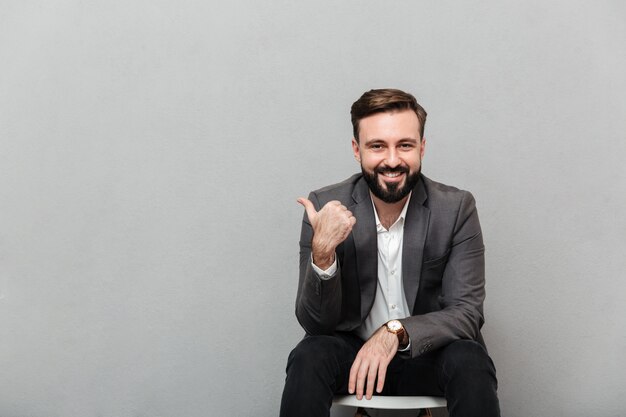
pixel 398 169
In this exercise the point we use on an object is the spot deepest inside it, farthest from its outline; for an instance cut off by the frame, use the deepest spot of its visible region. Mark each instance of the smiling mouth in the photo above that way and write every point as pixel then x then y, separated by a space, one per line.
pixel 391 174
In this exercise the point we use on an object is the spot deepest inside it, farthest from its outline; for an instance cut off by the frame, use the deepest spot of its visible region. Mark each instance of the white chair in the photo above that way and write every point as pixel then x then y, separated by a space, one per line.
pixel 391 402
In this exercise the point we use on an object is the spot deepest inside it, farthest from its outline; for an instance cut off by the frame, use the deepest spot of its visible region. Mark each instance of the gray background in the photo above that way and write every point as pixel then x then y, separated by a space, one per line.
pixel 151 153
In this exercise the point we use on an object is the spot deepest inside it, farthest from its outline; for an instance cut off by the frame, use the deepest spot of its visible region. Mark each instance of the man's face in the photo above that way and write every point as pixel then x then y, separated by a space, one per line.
pixel 390 151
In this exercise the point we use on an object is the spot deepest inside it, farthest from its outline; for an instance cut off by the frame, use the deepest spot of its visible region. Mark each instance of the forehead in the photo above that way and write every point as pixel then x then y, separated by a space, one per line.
pixel 390 125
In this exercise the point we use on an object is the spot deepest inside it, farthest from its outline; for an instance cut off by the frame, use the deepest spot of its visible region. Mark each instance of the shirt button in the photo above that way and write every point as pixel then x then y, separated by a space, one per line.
pixel 393 306
pixel 393 271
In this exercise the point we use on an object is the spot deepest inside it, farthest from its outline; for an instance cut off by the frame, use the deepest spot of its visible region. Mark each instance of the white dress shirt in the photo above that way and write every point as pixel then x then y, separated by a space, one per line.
pixel 390 301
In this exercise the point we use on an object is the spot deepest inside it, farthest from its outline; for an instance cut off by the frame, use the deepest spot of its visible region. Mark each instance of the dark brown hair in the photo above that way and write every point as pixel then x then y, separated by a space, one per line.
pixel 385 100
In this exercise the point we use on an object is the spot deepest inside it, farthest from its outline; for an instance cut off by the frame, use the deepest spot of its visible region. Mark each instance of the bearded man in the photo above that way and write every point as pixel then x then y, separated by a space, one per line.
pixel 391 284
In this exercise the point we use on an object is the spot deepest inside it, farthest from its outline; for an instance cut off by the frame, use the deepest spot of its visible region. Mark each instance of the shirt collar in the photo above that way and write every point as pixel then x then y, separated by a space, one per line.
pixel 402 217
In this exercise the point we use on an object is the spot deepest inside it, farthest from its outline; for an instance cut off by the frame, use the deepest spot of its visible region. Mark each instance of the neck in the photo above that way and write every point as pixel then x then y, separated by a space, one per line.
pixel 388 213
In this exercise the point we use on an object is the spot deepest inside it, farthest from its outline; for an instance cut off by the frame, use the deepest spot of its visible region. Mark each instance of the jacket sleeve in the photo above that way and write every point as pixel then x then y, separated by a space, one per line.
pixel 318 301
pixel 462 288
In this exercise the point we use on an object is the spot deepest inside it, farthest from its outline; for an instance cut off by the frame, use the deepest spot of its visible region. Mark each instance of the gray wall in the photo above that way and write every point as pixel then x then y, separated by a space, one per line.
pixel 151 153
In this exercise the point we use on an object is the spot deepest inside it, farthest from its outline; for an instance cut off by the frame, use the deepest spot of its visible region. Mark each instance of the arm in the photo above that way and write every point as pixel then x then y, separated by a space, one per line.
pixel 462 288
pixel 318 302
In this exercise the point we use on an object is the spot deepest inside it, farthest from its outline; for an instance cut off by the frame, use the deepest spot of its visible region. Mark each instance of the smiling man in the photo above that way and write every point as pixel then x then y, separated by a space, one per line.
pixel 391 285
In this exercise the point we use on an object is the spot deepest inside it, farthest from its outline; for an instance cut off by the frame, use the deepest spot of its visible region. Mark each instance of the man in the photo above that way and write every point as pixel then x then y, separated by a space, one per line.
pixel 391 284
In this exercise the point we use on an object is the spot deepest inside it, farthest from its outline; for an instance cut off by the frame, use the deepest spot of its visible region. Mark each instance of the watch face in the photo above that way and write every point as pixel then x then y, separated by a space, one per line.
pixel 394 325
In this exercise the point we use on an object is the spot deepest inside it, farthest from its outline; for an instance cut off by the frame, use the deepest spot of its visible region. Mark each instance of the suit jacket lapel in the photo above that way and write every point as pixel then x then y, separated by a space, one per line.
pixel 415 230
pixel 366 245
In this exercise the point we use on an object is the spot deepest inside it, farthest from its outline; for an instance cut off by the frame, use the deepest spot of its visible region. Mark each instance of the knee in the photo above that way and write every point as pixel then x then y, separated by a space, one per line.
pixel 469 380
pixel 314 352
pixel 467 358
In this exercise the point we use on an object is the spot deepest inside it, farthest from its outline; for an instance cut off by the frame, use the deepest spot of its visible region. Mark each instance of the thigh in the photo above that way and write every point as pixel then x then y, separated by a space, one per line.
pixel 325 357
pixel 430 374
pixel 414 376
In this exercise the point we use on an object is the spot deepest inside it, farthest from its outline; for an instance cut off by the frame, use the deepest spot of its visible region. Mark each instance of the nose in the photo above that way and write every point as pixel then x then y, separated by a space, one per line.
pixel 393 159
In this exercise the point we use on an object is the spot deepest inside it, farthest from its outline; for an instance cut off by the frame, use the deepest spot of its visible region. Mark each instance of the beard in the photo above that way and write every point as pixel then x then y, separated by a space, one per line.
pixel 393 192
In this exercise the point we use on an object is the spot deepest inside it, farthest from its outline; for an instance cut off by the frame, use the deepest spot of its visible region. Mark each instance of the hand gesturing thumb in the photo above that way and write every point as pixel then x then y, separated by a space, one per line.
pixel 331 226
pixel 310 209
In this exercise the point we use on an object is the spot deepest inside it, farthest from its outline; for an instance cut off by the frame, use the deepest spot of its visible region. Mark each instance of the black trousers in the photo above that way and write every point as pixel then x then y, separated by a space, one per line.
pixel 319 367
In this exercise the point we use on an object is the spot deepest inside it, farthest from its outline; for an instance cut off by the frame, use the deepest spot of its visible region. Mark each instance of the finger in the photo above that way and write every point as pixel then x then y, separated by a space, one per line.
pixel 382 372
pixel 360 380
pixel 353 373
pixel 309 207
pixel 371 381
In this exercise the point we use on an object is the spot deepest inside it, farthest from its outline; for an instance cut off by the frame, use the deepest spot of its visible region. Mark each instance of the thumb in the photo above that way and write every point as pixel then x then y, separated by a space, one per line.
pixel 308 206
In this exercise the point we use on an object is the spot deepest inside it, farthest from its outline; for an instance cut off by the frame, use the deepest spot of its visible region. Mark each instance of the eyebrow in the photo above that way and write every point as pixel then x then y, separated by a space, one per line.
pixel 375 140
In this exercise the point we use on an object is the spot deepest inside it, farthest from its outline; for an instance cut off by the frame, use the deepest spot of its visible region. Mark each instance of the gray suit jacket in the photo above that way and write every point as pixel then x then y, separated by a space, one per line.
pixel 443 266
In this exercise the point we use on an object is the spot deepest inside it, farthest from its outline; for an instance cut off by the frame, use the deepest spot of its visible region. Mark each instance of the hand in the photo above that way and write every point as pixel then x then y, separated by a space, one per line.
pixel 372 361
pixel 331 226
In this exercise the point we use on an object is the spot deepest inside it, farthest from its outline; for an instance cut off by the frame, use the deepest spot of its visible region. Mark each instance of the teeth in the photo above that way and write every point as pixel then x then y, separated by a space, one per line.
pixel 392 174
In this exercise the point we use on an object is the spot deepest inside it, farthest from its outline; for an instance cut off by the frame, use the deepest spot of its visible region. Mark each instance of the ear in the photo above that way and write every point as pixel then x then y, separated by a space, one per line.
pixel 356 150
pixel 422 147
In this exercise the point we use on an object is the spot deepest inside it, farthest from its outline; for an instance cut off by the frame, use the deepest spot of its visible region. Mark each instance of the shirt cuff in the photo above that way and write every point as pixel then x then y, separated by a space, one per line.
pixel 327 274
pixel 407 348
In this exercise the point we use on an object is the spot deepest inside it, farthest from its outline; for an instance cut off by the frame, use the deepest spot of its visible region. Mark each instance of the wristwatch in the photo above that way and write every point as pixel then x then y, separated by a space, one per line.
pixel 395 327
